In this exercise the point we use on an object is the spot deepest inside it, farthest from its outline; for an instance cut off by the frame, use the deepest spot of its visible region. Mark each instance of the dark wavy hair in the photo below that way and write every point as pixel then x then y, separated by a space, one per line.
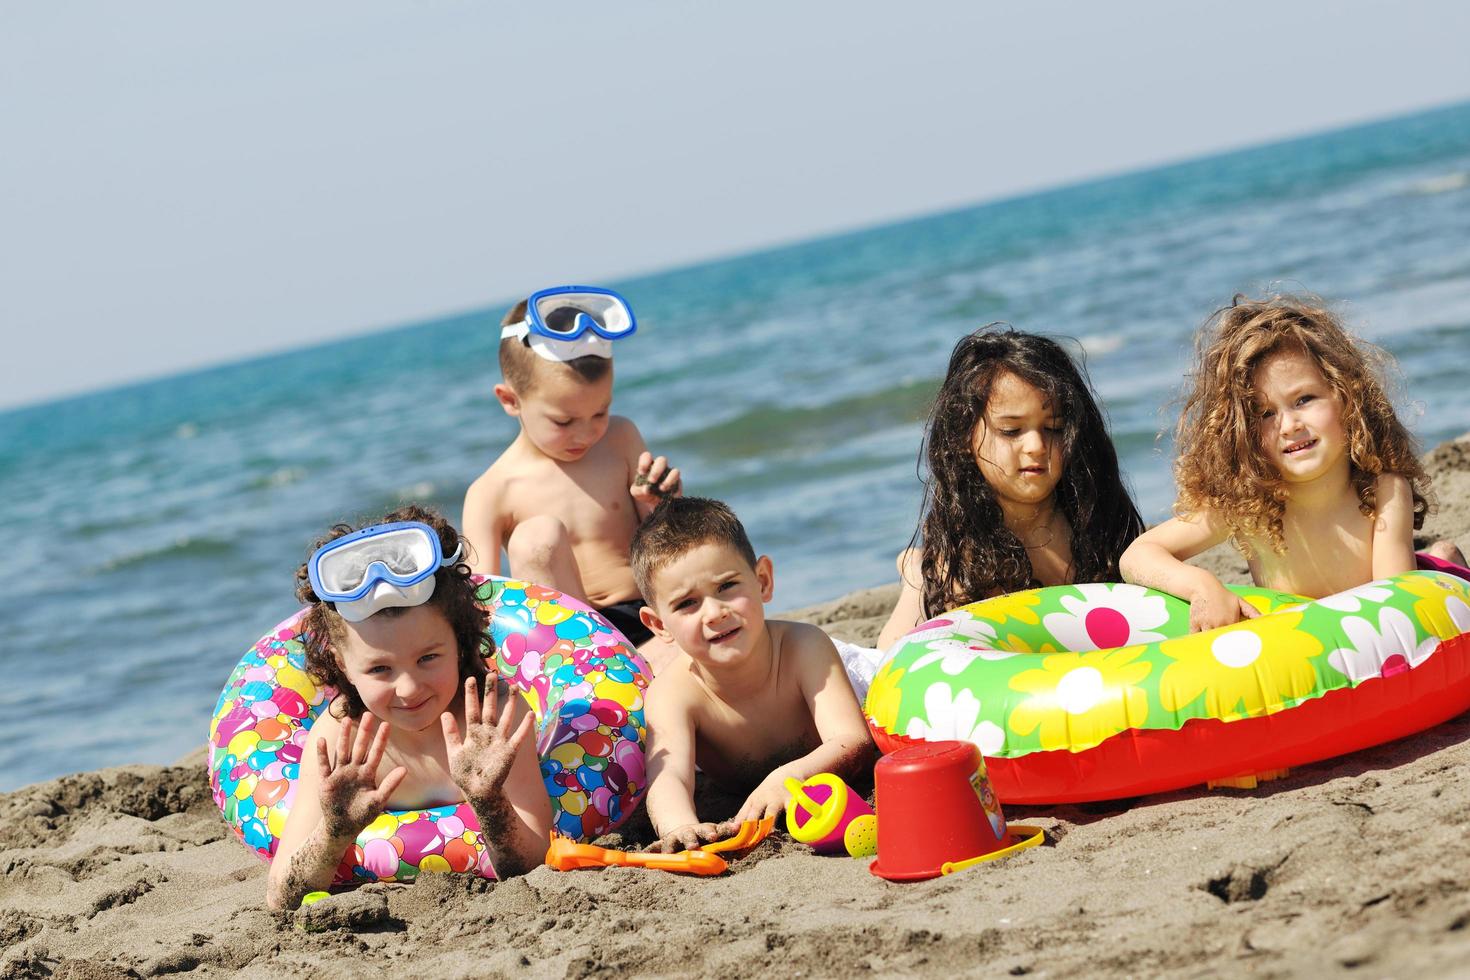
pixel 454 597
pixel 968 552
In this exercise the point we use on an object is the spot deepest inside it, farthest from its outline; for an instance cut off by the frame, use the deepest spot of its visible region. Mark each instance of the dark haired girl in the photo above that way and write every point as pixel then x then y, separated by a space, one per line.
pixel 1023 487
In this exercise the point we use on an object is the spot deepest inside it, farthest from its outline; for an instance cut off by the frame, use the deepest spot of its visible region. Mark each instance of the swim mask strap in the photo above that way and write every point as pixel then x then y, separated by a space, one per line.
pixel 588 344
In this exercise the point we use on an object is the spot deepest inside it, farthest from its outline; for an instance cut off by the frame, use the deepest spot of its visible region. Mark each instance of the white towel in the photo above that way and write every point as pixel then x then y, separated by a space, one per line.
pixel 861 664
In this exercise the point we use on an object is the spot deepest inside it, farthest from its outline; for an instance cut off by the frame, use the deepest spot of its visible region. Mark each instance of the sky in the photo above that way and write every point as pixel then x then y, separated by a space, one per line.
pixel 187 184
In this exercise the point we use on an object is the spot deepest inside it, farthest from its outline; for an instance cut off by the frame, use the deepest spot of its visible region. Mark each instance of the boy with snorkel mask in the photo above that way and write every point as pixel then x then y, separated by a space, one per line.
pixel 563 500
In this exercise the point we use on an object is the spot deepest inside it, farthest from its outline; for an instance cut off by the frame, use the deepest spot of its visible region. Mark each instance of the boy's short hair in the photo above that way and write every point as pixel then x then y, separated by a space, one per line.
pixel 679 525
pixel 519 364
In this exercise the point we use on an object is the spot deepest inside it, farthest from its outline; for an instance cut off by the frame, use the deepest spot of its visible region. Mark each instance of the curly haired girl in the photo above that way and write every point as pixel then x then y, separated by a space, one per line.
pixel 1290 448
pixel 393 624
pixel 1023 486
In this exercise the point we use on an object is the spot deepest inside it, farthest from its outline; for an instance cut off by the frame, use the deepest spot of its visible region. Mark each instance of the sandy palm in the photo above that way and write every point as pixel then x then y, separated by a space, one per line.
pixel 480 759
pixel 350 792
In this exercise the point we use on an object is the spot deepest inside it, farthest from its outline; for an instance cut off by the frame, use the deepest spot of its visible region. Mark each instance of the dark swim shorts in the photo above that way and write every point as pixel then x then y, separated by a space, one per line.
pixel 624 618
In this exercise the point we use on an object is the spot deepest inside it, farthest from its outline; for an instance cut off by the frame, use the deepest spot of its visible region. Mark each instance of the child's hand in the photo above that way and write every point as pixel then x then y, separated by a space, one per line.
pixel 654 481
pixel 1217 606
pixel 768 799
pixel 350 794
pixel 690 836
pixel 481 759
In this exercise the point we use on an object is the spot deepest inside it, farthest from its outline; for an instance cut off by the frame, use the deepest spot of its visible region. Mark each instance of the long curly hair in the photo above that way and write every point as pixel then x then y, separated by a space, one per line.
pixel 454 596
pixel 968 552
pixel 1221 466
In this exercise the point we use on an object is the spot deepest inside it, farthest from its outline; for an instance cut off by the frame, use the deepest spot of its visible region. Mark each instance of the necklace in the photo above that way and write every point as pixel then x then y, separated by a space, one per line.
pixel 1051 520
pixel 1040 544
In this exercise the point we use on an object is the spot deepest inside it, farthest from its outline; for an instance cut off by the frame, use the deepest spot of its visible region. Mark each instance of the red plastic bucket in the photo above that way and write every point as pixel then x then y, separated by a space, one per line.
pixel 935 807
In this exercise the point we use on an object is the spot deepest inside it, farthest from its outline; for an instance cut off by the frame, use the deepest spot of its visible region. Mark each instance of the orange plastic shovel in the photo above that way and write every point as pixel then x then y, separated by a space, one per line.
pixel 751 833
pixel 565 854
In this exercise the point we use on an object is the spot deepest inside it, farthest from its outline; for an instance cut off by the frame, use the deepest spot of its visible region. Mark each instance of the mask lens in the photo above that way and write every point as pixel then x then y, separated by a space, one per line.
pixel 403 553
pixel 569 315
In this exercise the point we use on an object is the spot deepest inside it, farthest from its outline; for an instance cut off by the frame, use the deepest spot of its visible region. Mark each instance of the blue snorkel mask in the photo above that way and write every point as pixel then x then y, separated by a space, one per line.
pixel 564 323
pixel 378 567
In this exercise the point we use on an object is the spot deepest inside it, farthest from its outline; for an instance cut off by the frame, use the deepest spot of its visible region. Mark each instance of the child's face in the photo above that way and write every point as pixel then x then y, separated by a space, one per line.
pixel 710 603
pixel 1299 417
pixel 563 415
pixel 1017 445
pixel 405 667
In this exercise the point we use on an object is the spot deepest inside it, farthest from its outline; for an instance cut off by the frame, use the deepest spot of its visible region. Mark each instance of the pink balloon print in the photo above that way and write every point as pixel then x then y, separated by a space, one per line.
pixel 379 857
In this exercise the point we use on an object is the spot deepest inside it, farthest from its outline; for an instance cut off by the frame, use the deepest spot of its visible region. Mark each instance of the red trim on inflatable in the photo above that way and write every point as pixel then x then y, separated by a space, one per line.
pixel 1138 762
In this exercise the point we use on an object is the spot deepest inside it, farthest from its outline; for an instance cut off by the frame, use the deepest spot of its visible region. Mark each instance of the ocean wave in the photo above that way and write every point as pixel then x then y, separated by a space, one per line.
pixel 1443 184
pixel 181 547
pixel 282 476
pixel 776 429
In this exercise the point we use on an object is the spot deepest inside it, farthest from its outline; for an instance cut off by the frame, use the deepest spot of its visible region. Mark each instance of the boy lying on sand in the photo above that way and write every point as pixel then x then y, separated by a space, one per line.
pixel 751 702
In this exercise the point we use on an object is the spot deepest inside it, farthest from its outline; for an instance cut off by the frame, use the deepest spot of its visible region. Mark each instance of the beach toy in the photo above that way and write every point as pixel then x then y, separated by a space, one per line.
pixel 568 855
pixel 939 814
pixel 822 809
pixel 584 684
pixel 1099 691
pixel 751 833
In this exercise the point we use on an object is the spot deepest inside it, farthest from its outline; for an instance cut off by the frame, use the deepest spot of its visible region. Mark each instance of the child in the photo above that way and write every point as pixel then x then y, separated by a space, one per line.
pixel 751 701
pixel 1289 447
pixel 407 660
pixel 1023 487
pixel 566 496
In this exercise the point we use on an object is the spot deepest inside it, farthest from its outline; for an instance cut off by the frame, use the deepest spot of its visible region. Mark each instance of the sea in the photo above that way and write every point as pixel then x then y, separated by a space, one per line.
pixel 152 531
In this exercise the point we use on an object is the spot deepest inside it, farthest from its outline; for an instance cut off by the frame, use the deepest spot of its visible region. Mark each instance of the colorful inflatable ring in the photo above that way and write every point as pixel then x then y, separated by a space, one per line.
pixel 581 678
pixel 1094 692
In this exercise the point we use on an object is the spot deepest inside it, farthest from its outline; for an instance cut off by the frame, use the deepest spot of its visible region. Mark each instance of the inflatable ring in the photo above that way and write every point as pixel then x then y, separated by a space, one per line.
pixel 1092 692
pixel 583 681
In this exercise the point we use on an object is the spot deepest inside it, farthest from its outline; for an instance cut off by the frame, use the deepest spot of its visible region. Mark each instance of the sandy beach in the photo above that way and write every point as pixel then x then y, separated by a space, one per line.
pixel 1353 865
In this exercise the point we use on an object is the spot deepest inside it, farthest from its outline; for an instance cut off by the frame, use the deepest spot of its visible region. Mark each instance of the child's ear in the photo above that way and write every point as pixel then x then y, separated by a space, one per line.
pixel 655 624
pixel 509 400
pixel 765 574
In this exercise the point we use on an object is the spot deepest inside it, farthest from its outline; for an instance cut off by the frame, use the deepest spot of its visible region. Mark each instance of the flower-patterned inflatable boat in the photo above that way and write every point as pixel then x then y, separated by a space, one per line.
pixel 1093 692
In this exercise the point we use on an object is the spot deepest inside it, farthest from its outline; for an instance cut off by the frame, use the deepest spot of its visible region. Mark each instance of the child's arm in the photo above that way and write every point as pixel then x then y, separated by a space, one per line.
pixel 494 762
pixel 846 751
pixel 483 526
pixel 671 770
pixel 335 800
pixel 1393 527
pixel 909 610
pixel 1156 559
pixel 653 478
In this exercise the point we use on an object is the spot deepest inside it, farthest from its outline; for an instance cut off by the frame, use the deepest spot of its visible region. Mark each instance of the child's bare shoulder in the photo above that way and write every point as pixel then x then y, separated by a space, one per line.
pixel 622 433
pixel 808 647
pixel 801 636
pixel 673 688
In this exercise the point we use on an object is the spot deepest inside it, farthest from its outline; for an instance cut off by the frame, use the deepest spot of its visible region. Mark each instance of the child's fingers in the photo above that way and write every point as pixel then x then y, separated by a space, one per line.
pixel 323 760
pixel 492 703
pixel 452 740
pixel 522 730
pixel 1249 611
pixel 380 744
pixel 645 460
pixel 387 786
pixel 344 742
pixel 471 702
pixel 670 483
pixel 363 741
